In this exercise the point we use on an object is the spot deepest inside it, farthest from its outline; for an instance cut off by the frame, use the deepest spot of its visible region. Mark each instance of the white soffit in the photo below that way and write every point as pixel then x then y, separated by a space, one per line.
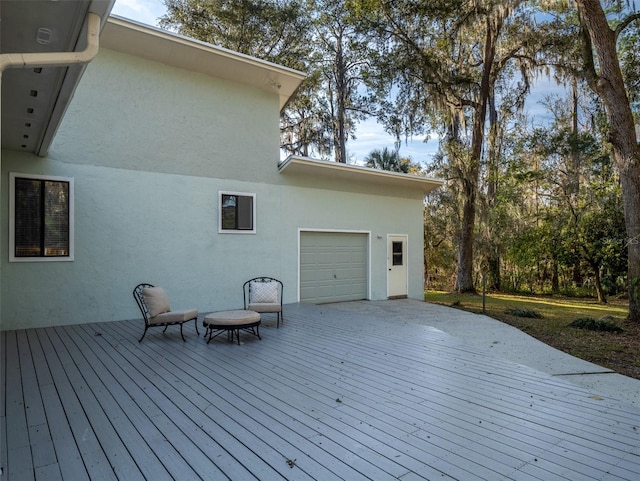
pixel 35 98
pixel 179 51
pixel 353 173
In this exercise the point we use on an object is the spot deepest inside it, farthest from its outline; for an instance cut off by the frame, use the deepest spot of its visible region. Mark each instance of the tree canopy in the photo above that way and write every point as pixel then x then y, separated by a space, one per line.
pixel 552 206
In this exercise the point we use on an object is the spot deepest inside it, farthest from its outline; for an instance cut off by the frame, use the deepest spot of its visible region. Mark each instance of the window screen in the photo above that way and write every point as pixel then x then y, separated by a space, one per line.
pixel 41 217
pixel 237 212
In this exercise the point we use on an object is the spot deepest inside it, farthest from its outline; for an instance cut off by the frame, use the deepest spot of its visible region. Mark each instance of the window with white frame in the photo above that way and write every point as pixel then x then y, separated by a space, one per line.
pixel 40 218
pixel 236 212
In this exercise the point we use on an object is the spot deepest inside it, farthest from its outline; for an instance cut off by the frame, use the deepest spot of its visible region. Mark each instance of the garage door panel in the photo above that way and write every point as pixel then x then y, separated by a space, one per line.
pixel 323 275
pixel 333 266
pixel 350 273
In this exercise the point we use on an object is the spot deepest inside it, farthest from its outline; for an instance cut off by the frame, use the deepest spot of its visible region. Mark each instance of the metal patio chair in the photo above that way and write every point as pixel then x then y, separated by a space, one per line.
pixel 264 295
pixel 156 311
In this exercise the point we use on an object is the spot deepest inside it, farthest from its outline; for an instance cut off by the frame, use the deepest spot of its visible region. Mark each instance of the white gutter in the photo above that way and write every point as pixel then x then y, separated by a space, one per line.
pixel 53 59
pixel 57 59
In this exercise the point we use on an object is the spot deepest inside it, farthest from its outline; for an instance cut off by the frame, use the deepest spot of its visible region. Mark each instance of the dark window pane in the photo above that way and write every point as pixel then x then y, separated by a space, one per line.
pixel 28 217
pixel 229 211
pixel 245 212
pixel 56 227
pixel 396 249
pixel 237 212
pixel 41 218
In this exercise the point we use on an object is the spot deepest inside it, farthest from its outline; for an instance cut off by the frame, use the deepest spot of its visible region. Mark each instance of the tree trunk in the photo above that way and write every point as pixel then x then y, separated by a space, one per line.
pixel 609 85
pixel 596 276
pixel 631 201
pixel 555 283
pixel 464 274
pixel 577 270
pixel 573 172
pixel 493 158
pixel 575 155
pixel 341 94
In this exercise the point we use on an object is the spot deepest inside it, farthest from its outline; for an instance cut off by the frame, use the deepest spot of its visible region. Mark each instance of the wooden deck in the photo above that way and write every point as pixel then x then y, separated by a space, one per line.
pixel 329 396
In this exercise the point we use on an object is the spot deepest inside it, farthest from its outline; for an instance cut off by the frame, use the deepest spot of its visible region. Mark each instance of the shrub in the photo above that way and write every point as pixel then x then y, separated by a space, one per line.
pixel 520 312
pixel 592 324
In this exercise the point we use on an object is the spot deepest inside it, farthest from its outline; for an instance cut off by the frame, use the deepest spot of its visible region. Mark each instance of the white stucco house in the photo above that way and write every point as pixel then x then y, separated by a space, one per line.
pixel 158 160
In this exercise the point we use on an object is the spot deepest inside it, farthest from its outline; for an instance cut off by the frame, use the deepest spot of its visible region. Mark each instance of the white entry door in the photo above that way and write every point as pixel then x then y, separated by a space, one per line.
pixel 397 266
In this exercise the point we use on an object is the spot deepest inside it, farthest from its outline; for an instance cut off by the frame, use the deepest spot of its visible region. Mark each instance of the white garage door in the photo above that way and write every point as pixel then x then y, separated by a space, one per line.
pixel 333 267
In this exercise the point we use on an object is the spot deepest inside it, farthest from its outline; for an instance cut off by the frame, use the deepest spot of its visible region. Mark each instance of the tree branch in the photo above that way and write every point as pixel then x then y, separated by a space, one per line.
pixel 589 71
pixel 625 23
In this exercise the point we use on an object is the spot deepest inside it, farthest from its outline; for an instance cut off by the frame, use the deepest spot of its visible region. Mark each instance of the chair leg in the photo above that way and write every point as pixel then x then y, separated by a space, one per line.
pixel 181 334
pixel 144 333
pixel 197 331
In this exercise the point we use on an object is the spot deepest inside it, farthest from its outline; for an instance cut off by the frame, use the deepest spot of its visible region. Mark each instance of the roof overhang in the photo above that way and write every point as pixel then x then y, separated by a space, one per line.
pixel 34 99
pixel 311 168
pixel 169 48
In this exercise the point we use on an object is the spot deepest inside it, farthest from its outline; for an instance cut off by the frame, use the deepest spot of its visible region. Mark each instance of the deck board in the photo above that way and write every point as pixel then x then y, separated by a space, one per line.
pixel 226 397
pixel 18 447
pixel 120 410
pixel 330 395
pixel 62 369
pixel 151 429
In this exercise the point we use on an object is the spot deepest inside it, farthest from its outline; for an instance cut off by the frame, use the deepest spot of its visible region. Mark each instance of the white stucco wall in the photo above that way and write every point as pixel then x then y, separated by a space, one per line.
pixel 148 157
pixel 317 208
pixel 134 226
pixel 141 115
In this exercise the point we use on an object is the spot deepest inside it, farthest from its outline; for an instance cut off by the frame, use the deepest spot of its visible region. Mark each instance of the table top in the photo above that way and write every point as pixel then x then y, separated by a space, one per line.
pixel 238 316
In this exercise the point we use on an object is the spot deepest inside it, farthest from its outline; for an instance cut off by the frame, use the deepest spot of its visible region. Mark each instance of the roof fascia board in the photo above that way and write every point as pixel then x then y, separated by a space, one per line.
pixel 173 49
pixel 309 165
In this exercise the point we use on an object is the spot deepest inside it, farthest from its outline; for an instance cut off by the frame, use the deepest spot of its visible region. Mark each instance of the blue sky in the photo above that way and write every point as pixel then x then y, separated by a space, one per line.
pixel 370 135
pixel 144 11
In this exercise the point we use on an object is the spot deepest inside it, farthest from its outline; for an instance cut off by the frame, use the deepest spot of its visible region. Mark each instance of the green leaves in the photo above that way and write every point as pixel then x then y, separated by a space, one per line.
pixel 591 324
pixel 386 159
pixel 273 30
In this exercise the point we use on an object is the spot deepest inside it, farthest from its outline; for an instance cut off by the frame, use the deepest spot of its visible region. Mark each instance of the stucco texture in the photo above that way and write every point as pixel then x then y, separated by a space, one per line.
pixel 142 115
pixel 134 226
pixel 149 147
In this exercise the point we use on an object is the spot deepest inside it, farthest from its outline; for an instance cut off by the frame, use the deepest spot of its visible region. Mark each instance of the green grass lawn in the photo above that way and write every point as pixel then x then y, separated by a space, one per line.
pixel 619 351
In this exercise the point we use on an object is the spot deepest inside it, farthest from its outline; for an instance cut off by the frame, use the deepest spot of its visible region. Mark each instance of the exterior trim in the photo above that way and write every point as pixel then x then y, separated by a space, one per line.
pixel 334 170
pixel 12 218
pixel 253 212
pixel 133 38
pixel 336 231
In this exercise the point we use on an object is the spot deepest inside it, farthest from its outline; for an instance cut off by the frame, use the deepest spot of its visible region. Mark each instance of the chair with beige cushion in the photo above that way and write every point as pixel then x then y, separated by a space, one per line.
pixel 156 311
pixel 264 295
